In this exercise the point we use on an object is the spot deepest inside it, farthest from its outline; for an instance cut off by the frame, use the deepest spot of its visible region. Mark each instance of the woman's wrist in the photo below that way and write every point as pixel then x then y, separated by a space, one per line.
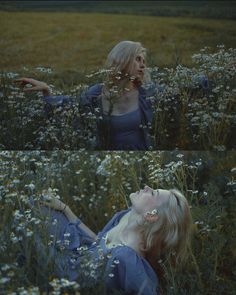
pixel 46 91
pixel 64 208
pixel 69 214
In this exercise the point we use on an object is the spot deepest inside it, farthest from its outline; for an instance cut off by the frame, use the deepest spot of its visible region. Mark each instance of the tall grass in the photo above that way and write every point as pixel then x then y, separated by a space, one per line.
pixel 194 107
pixel 96 185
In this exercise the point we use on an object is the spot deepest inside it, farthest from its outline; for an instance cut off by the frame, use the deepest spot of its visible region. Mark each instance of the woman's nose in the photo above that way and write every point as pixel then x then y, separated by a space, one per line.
pixel 142 65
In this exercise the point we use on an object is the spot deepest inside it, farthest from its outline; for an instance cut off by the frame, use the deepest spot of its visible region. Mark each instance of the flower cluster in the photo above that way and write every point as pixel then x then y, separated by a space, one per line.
pixel 194 108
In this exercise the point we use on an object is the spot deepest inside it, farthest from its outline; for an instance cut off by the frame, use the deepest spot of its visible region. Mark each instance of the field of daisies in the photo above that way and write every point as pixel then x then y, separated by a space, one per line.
pixel 96 185
pixel 194 107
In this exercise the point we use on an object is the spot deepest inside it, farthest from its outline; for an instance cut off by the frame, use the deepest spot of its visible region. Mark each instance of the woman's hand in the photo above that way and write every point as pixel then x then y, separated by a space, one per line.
pixel 50 200
pixel 35 85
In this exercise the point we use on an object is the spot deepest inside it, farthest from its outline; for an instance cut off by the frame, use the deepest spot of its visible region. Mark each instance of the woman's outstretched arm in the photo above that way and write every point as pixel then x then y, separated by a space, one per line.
pixel 36 86
pixel 85 98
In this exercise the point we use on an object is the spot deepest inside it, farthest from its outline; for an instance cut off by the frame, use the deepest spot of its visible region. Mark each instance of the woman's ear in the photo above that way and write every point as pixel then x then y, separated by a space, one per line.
pixel 151 216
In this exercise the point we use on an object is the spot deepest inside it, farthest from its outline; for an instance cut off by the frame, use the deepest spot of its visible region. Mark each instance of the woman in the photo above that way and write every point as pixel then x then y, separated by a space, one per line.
pixel 123 113
pixel 129 246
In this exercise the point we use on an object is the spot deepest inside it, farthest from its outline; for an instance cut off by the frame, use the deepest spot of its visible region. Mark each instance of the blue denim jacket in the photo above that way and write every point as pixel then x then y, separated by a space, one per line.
pixel 123 268
pixel 91 100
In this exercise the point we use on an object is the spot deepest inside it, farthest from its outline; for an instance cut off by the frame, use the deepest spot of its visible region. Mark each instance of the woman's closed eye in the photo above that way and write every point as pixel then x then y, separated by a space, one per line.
pixel 138 58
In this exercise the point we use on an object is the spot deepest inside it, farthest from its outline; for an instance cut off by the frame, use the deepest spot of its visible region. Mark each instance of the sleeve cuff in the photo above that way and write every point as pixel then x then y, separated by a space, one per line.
pixel 55 100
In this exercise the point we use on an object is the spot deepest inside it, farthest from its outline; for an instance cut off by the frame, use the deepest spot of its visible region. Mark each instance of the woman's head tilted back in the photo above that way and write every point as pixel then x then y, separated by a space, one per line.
pixel 167 222
pixel 127 60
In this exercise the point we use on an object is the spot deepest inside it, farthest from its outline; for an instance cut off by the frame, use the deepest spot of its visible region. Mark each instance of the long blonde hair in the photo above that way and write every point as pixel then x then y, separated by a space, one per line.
pixel 120 60
pixel 171 233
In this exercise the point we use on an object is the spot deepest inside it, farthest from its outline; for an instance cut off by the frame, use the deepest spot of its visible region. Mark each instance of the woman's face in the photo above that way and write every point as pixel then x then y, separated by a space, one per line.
pixel 148 199
pixel 138 67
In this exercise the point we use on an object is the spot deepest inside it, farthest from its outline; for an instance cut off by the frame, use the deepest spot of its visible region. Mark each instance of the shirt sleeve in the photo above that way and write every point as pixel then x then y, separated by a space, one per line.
pixel 86 99
pixel 74 236
pixel 130 273
pixel 57 100
pixel 201 80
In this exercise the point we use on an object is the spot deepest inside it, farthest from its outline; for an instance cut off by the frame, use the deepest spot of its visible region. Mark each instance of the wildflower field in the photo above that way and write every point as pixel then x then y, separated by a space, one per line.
pixel 96 185
pixel 194 107
pixel 192 63
pixel 194 103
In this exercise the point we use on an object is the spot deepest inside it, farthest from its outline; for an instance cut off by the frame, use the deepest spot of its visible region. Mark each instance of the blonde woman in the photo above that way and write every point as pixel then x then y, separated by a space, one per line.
pixel 156 226
pixel 120 103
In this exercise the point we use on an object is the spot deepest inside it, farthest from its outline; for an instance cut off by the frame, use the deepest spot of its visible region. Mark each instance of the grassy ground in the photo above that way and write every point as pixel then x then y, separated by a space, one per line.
pixel 96 185
pixel 82 41
pixel 194 108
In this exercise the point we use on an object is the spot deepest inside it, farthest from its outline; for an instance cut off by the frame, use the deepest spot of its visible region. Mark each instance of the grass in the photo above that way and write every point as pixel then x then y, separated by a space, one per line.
pixel 194 108
pixel 96 185
pixel 81 41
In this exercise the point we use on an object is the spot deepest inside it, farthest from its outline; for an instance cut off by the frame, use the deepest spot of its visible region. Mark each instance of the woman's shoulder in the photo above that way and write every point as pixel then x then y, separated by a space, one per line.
pixel 90 95
pixel 94 90
pixel 129 256
pixel 130 260
pixel 131 273
pixel 151 89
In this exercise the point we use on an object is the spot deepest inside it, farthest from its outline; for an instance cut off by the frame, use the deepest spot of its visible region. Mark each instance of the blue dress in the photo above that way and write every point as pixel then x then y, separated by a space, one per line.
pixel 124 132
pixel 121 267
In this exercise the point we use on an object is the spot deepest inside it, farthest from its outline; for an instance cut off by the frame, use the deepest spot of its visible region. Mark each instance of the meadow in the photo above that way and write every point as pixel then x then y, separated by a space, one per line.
pixel 96 185
pixel 194 108
pixel 191 61
pixel 79 42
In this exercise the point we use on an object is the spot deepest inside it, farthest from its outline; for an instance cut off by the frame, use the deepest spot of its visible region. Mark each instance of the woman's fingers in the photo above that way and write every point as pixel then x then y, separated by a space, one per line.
pixel 45 197
pixel 35 84
pixel 24 80
pixel 28 89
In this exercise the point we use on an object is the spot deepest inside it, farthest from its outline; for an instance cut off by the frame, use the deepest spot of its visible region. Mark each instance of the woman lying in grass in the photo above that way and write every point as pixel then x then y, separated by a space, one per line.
pixel 126 252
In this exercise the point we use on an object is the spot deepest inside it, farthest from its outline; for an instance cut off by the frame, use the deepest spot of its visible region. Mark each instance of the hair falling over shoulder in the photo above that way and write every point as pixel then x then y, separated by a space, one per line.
pixel 168 239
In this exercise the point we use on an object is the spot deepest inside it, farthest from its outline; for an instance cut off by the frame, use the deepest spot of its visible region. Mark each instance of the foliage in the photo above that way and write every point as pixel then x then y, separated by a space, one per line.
pixel 96 185
pixel 194 108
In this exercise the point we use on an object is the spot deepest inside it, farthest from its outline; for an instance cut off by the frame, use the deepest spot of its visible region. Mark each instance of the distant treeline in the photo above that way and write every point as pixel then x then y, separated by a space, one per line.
pixel 190 8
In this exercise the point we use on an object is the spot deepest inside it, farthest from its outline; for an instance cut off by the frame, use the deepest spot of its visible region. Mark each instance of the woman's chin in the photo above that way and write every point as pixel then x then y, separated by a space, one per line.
pixel 132 195
pixel 138 81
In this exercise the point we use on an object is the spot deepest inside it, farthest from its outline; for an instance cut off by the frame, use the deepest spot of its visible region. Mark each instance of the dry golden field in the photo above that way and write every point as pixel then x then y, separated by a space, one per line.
pixel 81 41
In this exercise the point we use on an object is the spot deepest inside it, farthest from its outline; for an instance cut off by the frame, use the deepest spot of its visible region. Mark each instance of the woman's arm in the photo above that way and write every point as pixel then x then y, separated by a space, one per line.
pixel 50 201
pixel 44 88
pixel 73 219
pixel 35 86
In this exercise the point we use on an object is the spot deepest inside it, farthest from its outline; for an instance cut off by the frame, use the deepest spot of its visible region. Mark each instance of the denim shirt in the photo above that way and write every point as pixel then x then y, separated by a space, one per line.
pixel 123 268
pixel 90 101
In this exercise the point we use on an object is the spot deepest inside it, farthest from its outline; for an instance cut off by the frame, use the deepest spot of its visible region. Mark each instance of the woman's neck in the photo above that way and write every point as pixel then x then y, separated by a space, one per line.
pixel 126 100
pixel 127 231
pixel 121 87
